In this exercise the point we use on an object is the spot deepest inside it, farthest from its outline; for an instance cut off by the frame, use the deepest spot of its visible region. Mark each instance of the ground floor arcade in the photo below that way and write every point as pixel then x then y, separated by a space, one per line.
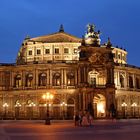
pixel 30 104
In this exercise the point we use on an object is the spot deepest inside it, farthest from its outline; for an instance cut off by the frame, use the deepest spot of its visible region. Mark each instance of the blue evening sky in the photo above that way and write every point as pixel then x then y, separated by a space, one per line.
pixel 117 19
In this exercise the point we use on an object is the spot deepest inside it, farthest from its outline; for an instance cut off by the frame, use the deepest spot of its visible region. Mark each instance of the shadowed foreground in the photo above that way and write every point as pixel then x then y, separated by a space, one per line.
pixel 62 130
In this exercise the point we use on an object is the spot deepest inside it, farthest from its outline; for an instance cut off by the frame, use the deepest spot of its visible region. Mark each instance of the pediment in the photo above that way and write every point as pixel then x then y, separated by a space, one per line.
pixel 57 37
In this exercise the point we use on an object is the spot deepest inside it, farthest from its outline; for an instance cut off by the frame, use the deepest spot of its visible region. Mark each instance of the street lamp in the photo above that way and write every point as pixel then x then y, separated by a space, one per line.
pixel 124 105
pixel 63 105
pixel 47 97
pixel 31 105
pixel 5 106
pixel 134 105
pixel 17 107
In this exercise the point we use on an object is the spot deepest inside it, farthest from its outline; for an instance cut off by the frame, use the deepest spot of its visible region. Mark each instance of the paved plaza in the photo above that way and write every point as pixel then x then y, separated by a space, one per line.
pixel 65 130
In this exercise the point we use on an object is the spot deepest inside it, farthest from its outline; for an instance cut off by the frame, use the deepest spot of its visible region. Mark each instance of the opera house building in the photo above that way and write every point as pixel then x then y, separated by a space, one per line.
pixel 61 74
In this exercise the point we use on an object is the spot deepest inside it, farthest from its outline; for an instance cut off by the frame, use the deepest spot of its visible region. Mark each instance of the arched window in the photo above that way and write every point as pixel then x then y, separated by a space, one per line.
pixel 42 79
pixel 121 81
pixel 56 79
pixel 70 101
pixel 130 82
pixel 17 103
pixel 17 81
pixel 92 77
pixel 29 102
pixel 70 108
pixel 29 80
pixel 137 83
pixel 70 79
pixel 56 101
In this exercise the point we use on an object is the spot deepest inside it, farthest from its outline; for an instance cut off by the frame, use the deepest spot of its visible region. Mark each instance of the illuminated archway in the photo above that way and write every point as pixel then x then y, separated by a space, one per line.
pixel 99 103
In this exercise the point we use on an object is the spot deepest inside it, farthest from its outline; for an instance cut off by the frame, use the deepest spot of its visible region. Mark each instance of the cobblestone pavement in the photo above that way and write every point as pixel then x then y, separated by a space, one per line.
pixel 65 130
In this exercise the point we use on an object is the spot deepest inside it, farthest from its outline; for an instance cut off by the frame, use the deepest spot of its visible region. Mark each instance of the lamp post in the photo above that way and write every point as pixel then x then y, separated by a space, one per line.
pixel 63 105
pixel 31 105
pixel 134 105
pixel 124 105
pixel 47 97
pixel 17 107
pixel 5 106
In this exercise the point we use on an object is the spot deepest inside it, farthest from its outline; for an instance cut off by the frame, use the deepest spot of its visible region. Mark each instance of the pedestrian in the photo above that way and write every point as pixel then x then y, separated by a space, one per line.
pixel 85 120
pixel 90 120
pixel 80 118
pixel 76 119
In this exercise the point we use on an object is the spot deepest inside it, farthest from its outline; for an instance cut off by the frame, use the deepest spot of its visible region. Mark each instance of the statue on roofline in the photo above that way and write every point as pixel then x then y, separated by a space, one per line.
pixel 92 37
pixel 90 28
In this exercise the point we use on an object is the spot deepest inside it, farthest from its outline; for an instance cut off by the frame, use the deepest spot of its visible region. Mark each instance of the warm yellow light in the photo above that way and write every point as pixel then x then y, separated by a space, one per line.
pixel 100 108
pixel 58 82
pixel 124 104
pixel 5 105
pixel 134 104
pixel 32 104
pixel 68 82
pixel 51 96
pixel 63 104
pixel 18 105
pixel 47 96
pixel 44 96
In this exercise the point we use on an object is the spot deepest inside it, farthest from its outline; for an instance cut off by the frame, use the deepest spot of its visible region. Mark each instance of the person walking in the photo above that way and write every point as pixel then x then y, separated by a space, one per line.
pixel 85 120
pixel 90 120
pixel 76 119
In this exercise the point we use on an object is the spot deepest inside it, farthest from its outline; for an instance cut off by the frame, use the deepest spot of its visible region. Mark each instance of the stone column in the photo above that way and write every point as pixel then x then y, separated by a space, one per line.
pixel 23 80
pixel 76 76
pixel 84 74
pixel 36 78
pixel 62 77
pixel 79 78
pixel 134 81
pixel 42 52
pixel 48 77
pixel 65 77
pixel 118 78
pixel 84 101
pixel 12 79
pixel 51 76
pixel 108 72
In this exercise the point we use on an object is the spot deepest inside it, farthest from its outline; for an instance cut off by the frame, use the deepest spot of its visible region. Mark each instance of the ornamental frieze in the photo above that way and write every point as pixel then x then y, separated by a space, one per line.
pixel 97 58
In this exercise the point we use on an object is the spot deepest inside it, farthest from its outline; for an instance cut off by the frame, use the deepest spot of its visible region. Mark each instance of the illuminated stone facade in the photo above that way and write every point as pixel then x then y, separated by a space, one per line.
pixel 82 74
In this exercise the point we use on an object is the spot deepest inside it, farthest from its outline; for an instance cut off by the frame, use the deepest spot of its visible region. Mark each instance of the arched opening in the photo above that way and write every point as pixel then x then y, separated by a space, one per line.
pixel 70 108
pixel 29 80
pixel 99 105
pixel 42 109
pixel 30 109
pixel 70 79
pixel 56 109
pixel 17 81
pixel 96 79
pixel 130 82
pixel 121 81
pixel 56 79
pixel 17 109
pixel 92 77
pixel 137 83
pixel 42 79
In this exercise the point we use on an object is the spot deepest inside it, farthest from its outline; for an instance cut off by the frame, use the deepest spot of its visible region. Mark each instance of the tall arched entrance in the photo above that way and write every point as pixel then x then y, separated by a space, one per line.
pixel 99 105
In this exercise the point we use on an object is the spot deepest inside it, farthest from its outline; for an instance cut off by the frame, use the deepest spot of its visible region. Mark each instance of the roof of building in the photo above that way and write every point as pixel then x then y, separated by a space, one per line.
pixel 57 37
